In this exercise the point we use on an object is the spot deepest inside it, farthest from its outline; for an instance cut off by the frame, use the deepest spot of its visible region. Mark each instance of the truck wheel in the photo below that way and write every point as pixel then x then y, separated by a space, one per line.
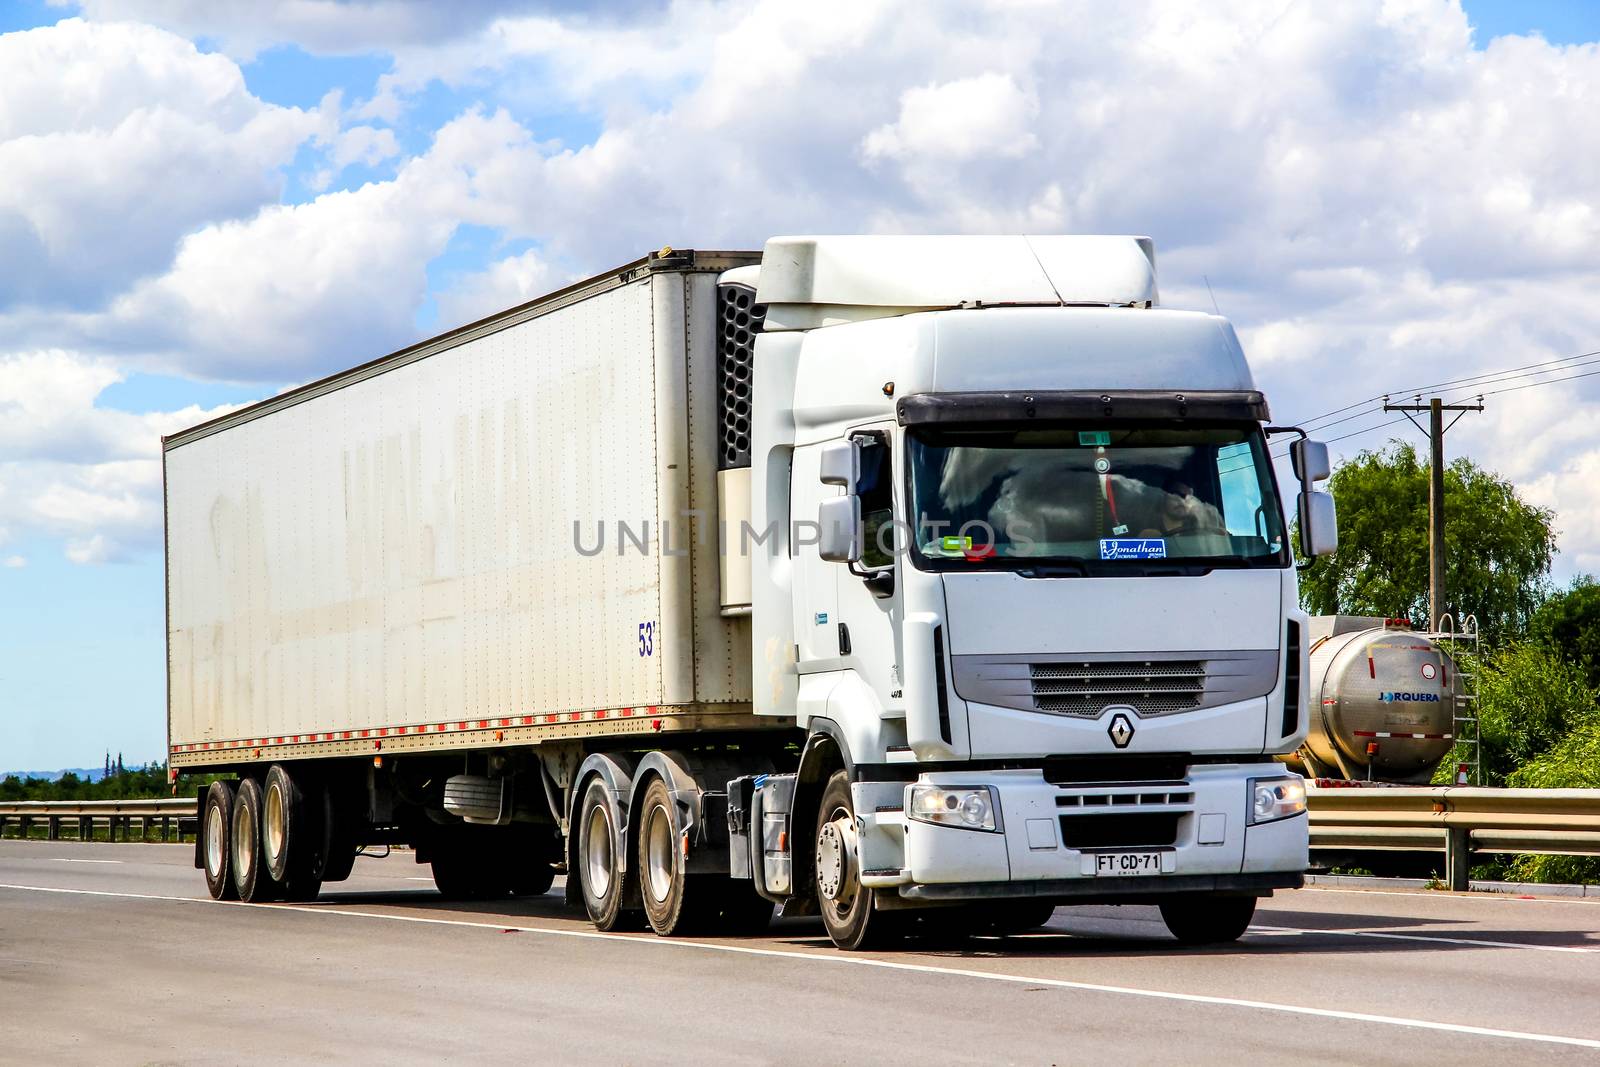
pixel 216 825
pixel 848 908
pixel 675 903
pixel 1206 920
pixel 294 832
pixel 600 874
pixel 250 872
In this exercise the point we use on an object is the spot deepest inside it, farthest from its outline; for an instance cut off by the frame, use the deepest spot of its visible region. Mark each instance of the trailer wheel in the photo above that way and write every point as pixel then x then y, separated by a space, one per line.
pixel 1204 920
pixel 849 910
pixel 600 870
pixel 216 824
pixel 250 872
pixel 294 832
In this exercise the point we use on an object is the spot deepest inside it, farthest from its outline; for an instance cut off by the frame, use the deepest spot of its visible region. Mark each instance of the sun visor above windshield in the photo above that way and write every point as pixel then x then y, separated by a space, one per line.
pixel 1055 406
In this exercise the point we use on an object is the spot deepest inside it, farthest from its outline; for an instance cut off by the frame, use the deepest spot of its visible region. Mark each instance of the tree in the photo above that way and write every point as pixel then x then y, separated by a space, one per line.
pixel 1497 546
pixel 1569 625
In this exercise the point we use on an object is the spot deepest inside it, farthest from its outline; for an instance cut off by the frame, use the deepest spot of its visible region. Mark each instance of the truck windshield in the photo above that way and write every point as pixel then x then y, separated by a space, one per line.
pixel 1107 498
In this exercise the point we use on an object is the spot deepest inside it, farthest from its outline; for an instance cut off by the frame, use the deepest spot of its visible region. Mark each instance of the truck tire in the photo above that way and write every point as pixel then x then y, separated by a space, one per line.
pixel 674 903
pixel 849 909
pixel 601 877
pixel 294 832
pixel 250 873
pixel 1206 920
pixel 216 827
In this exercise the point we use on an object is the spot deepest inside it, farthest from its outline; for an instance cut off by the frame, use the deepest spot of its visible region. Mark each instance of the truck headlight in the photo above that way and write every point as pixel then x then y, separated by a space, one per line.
pixel 1276 798
pixel 969 807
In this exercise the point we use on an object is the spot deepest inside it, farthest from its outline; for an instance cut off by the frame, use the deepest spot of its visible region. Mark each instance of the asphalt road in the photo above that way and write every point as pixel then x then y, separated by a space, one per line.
pixel 113 954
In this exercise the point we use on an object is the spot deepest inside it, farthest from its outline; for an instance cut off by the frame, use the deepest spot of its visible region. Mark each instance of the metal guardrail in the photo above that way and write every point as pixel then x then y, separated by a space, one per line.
pixel 1456 820
pixel 172 816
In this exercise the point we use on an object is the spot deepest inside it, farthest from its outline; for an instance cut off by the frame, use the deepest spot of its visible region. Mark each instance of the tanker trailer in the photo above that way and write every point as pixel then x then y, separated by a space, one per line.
pixel 1382 701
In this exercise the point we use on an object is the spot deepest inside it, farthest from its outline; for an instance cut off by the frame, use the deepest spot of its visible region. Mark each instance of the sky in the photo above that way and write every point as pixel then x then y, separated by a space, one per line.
pixel 203 202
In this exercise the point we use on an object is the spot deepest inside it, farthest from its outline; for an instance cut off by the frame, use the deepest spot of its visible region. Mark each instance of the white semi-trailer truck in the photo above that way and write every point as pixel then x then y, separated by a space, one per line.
pixel 906 580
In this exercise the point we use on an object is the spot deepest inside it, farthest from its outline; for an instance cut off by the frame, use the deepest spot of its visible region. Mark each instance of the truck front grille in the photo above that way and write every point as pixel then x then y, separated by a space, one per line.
pixel 1084 689
pixel 739 319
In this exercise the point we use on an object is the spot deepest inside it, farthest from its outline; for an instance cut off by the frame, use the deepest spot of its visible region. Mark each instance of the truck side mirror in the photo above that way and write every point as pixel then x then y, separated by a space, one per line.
pixel 1310 460
pixel 1319 526
pixel 841 464
pixel 839 539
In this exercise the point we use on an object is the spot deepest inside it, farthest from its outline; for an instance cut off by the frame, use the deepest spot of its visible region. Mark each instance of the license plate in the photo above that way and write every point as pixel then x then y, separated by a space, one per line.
pixel 1124 864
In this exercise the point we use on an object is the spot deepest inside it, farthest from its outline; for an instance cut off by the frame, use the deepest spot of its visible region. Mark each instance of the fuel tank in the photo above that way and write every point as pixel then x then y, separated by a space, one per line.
pixel 1382 702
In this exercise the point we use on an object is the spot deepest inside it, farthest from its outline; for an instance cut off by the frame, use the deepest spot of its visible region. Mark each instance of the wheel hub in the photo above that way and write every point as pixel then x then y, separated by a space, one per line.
pixel 214 857
pixel 836 860
pixel 597 868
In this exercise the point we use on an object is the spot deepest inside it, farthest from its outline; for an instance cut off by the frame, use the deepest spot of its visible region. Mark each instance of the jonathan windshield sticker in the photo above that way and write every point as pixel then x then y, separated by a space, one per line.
pixel 1133 548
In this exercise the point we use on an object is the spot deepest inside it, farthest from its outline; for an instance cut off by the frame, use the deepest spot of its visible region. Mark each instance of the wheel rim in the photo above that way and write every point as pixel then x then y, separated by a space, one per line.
pixel 214 857
pixel 244 833
pixel 274 824
pixel 597 852
pixel 837 883
pixel 659 854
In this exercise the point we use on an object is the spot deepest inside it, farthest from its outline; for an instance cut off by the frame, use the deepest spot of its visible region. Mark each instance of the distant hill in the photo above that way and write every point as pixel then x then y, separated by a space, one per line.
pixel 87 774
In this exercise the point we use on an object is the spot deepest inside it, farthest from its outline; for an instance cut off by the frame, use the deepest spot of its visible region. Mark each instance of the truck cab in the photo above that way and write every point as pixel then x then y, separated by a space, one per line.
pixel 1020 568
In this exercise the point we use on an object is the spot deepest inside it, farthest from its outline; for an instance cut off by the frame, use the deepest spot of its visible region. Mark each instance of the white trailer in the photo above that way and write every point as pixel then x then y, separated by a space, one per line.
pixel 638 580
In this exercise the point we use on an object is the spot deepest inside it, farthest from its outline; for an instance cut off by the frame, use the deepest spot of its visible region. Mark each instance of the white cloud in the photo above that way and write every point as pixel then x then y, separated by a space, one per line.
pixel 986 115
pixel 506 283
pixel 70 469
pixel 13 562
pixel 114 140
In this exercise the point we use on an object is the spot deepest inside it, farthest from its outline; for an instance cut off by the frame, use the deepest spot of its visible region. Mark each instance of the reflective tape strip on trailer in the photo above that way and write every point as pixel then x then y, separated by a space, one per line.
pixel 1413 737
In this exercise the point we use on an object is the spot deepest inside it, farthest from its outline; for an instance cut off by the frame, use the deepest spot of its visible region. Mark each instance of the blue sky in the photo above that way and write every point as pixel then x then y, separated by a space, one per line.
pixel 247 238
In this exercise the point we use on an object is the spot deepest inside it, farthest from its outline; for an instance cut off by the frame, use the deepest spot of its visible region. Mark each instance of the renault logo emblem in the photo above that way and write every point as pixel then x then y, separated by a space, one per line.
pixel 1121 730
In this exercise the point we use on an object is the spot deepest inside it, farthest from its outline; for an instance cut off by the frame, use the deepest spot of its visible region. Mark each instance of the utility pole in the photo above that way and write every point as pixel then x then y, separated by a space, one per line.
pixel 1435 407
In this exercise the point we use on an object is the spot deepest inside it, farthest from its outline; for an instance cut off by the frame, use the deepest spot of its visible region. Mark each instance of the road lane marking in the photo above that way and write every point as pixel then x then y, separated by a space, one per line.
pixel 1282 930
pixel 842 959
pixel 1445 894
pixel 64 859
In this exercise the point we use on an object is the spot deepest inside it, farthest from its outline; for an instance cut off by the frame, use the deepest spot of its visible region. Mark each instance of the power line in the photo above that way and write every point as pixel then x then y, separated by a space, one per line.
pixel 1552 381
pixel 1504 374
pixel 1526 374
pixel 1353 433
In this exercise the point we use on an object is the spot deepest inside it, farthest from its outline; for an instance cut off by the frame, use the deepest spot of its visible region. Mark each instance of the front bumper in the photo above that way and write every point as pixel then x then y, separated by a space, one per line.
pixel 1198 826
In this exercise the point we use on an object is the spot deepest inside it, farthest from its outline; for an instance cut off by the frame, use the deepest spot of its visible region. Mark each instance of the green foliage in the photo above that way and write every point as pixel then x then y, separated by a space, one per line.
pixel 1529 700
pixel 1569 625
pixel 138 783
pixel 1497 546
